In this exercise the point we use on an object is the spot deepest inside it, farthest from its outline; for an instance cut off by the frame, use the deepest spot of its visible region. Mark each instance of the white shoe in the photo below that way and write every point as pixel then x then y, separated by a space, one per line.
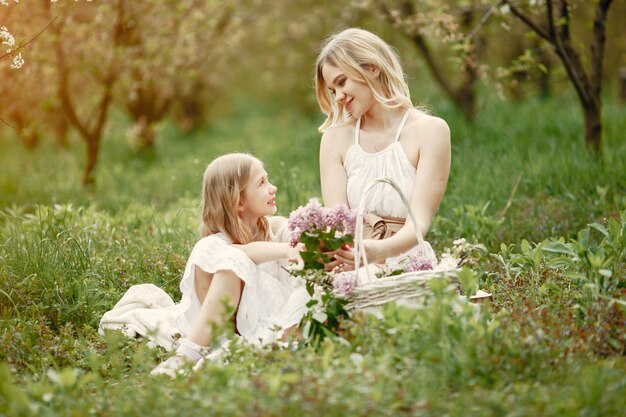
pixel 173 366
pixel 219 355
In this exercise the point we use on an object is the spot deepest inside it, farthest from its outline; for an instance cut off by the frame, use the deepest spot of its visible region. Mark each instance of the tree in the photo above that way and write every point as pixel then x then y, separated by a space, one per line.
pixel 552 21
pixel 430 25
pixel 175 51
pixel 27 98
pixel 87 76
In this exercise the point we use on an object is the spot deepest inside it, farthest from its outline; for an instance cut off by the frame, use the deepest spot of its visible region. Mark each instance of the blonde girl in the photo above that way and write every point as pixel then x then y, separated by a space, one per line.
pixel 233 262
pixel 373 130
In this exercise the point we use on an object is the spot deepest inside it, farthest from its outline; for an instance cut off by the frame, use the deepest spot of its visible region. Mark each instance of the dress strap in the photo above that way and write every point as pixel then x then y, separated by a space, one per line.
pixel 357 129
pixel 401 125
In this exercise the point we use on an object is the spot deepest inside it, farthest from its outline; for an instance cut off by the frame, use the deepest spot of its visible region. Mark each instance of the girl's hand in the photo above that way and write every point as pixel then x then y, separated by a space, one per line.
pixel 293 253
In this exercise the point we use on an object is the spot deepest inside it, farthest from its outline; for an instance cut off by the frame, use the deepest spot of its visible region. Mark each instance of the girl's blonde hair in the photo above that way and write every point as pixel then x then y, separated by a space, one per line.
pixel 357 52
pixel 224 181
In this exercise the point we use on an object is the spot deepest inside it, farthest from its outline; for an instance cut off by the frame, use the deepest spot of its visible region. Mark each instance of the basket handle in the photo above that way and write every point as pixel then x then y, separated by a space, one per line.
pixel 358 238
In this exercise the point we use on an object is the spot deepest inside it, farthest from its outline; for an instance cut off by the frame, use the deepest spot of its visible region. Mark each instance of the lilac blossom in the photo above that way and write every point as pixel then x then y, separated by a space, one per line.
pixel 306 218
pixel 341 218
pixel 417 263
pixel 313 217
pixel 344 282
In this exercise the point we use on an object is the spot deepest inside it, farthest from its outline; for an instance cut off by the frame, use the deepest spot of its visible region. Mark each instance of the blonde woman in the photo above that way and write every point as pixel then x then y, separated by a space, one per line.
pixel 372 130
pixel 233 261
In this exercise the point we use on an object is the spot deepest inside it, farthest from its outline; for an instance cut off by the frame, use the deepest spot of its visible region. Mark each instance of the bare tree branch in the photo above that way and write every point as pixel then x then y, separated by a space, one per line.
pixel 564 19
pixel 528 22
pixel 10 125
pixel 482 22
pixel 34 37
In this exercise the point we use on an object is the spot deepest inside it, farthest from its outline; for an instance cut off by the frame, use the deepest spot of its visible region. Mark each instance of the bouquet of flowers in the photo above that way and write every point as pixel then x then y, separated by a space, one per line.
pixel 323 230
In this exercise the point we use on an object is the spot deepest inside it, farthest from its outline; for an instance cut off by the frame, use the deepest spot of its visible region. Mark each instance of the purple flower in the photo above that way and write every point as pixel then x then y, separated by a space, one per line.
pixel 344 282
pixel 417 263
pixel 341 218
pixel 313 217
pixel 306 218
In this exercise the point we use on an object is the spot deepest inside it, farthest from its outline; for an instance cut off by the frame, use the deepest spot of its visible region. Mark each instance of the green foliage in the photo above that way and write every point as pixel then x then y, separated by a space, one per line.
pixel 318 243
pixel 596 265
pixel 325 312
pixel 551 343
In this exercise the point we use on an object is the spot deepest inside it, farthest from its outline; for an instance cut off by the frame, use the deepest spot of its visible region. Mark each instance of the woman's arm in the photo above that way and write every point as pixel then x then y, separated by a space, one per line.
pixel 333 177
pixel 261 252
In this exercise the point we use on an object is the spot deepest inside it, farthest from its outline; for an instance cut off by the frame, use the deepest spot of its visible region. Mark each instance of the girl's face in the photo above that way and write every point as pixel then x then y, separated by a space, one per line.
pixel 258 197
pixel 354 96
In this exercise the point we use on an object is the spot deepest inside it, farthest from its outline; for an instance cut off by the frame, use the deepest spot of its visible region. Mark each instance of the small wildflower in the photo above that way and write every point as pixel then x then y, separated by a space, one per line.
pixel 417 263
pixel 9 39
pixel 448 261
pixel 344 282
pixel 18 61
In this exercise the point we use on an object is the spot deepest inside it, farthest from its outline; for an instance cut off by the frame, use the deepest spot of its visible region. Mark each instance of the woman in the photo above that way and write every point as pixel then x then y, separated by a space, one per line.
pixel 372 130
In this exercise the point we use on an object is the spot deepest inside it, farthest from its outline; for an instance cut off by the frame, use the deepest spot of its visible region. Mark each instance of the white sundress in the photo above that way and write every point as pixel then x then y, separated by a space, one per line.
pixel 392 162
pixel 271 302
pixel 362 167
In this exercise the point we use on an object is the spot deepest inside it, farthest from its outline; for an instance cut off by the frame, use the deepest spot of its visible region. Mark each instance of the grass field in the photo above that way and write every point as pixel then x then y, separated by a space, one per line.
pixel 552 343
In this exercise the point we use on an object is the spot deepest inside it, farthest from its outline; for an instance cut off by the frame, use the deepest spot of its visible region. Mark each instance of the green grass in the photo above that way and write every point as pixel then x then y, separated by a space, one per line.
pixel 552 343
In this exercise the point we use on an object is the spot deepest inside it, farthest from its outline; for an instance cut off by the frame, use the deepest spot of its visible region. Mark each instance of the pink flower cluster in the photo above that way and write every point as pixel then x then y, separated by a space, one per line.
pixel 344 282
pixel 417 263
pixel 315 217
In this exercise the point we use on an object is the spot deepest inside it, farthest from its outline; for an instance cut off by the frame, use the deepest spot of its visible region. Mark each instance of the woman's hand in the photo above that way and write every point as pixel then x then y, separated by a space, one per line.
pixel 374 250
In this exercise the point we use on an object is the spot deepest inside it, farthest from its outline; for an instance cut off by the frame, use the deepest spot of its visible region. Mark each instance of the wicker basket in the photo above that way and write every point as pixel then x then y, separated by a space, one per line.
pixel 410 286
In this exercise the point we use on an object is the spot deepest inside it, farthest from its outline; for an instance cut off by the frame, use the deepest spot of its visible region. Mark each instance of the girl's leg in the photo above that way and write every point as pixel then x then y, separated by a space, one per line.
pixel 223 286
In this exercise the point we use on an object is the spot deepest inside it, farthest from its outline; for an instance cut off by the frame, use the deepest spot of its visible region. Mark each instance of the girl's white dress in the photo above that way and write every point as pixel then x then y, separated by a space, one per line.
pixel 271 301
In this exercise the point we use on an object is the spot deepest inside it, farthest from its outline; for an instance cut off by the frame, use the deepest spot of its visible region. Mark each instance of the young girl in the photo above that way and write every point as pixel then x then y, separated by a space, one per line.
pixel 232 263
pixel 372 130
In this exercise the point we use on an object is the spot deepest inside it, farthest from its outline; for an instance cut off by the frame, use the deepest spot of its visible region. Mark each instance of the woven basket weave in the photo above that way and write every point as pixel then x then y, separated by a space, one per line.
pixel 411 286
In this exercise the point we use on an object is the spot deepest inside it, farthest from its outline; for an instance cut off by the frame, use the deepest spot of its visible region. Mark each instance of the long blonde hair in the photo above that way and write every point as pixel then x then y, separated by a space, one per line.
pixel 222 187
pixel 357 52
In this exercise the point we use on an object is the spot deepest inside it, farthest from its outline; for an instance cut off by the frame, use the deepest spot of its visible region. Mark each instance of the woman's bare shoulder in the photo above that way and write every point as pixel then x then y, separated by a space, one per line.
pixel 338 137
pixel 425 127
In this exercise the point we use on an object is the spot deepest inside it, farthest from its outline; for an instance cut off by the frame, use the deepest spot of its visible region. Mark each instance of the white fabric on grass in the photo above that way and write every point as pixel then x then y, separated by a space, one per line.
pixel 271 302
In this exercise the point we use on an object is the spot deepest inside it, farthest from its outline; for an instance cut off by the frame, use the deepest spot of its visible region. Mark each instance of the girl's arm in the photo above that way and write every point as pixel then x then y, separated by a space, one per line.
pixel 261 252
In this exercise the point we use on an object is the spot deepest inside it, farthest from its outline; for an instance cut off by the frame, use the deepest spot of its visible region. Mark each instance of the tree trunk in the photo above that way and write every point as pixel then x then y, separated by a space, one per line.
pixel 93 148
pixel 593 125
pixel 30 138
pixel 147 134
pixel 544 73
pixel 622 84
pixel 61 131
pixel 465 100
pixel 588 84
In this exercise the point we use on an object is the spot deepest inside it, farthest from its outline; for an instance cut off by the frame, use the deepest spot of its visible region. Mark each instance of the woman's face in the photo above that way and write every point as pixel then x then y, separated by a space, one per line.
pixel 354 96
